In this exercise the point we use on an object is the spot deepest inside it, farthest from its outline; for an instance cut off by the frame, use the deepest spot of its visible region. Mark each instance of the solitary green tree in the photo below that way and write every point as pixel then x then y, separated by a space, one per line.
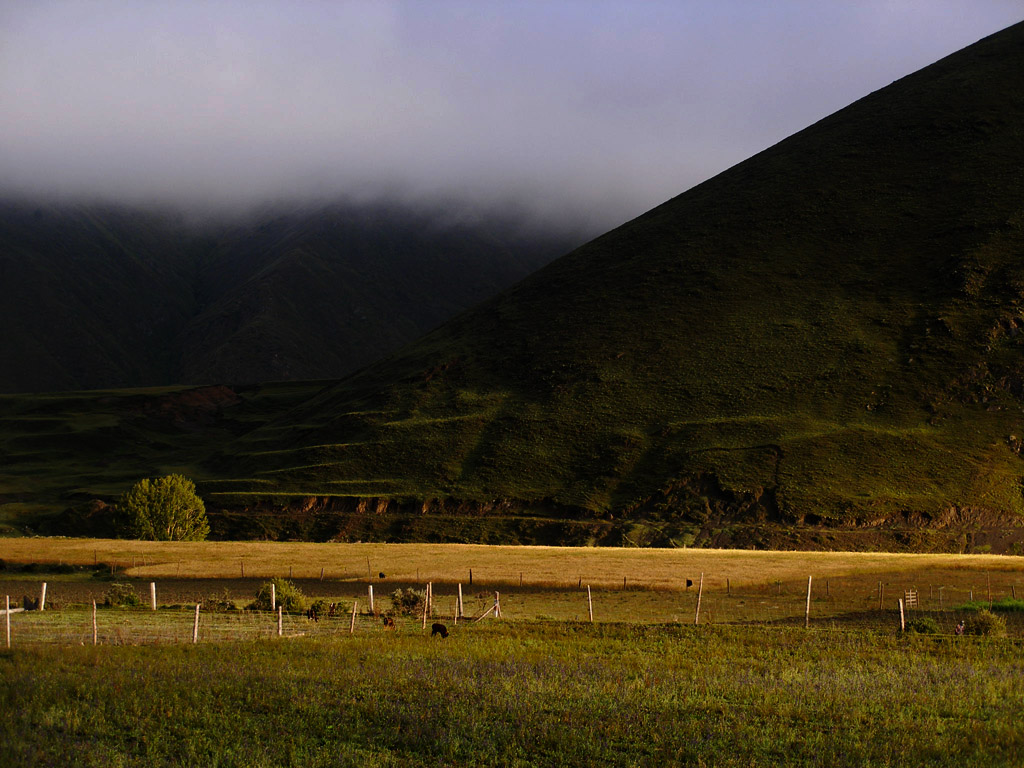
pixel 164 509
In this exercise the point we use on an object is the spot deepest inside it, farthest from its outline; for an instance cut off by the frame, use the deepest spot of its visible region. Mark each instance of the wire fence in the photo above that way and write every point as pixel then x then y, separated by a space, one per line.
pixel 856 603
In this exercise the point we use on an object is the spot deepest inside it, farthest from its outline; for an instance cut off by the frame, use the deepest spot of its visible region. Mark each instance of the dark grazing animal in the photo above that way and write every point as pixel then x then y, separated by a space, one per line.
pixel 439 629
pixel 389 623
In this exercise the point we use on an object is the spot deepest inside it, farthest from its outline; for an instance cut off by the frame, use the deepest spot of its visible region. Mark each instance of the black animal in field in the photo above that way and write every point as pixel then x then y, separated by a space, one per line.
pixel 389 623
pixel 439 629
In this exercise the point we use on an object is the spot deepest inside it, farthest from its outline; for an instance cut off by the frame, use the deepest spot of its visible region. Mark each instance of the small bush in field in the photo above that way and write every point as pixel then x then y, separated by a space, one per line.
pixel 925 625
pixel 985 623
pixel 219 603
pixel 288 596
pixel 408 602
pixel 121 595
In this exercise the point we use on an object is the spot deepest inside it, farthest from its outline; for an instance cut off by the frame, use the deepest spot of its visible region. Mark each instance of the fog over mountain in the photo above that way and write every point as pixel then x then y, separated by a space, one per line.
pixel 593 111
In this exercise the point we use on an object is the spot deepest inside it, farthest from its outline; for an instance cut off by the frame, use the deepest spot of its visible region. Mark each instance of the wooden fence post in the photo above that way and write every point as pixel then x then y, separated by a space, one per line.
pixel 321 573
pixel 242 563
pixel 590 605
pixel 152 595
pixel 430 598
pixel 42 597
pixel 700 592
pixel 471 577
pixel 807 609
pixel 497 606
pixel 459 608
pixel 195 626
pixel 352 626
pixel 903 622
pixel 94 633
pixel 7 615
pixel 273 596
pixel 280 620
pixel 728 588
pixel 1013 591
pixel 881 593
pixel 369 588
pixel 424 611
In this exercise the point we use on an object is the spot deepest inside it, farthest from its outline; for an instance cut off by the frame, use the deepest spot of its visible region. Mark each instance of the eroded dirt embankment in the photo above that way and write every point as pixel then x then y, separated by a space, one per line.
pixel 955 529
pixel 720 525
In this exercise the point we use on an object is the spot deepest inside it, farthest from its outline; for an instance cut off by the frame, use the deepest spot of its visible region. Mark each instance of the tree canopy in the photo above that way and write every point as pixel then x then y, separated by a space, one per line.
pixel 164 509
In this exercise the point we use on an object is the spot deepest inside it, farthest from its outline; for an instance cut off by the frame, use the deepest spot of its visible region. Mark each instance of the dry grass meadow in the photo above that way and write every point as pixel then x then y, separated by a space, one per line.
pixel 658 569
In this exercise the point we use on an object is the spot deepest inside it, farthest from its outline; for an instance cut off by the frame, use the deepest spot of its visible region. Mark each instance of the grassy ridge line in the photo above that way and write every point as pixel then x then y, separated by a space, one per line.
pixel 606 566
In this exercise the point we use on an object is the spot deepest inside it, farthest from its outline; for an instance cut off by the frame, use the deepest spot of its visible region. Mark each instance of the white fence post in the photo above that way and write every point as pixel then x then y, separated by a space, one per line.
pixel 195 626
pixel 94 633
pixel 590 605
pixel 42 597
pixel 152 595
pixel 280 620
pixel 700 594
pixel 807 609
pixel 369 589
pixel 7 615
pixel 273 596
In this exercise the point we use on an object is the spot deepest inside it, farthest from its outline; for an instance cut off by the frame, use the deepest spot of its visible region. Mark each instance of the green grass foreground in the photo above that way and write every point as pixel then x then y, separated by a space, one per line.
pixel 522 693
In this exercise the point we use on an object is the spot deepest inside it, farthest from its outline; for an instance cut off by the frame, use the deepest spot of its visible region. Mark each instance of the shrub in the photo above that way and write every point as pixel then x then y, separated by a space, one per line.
pixel 288 596
pixel 122 595
pixel 162 509
pixel 985 623
pixel 221 603
pixel 925 625
pixel 408 602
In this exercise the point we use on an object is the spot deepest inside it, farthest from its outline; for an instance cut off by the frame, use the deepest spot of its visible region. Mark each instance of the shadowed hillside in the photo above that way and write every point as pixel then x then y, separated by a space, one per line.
pixel 825 332
pixel 97 297
pixel 821 342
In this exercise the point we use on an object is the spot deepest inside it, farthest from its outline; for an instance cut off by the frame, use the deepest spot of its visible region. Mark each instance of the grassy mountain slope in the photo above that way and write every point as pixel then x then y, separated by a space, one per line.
pixel 98 297
pixel 827 331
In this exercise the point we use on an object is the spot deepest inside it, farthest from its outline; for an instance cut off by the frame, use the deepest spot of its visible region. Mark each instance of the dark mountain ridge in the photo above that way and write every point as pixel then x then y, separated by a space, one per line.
pixel 99 296
pixel 824 332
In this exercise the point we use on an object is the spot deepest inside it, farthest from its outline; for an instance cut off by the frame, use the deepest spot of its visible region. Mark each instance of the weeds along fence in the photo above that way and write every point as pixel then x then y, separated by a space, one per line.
pixel 74 626
pixel 855 603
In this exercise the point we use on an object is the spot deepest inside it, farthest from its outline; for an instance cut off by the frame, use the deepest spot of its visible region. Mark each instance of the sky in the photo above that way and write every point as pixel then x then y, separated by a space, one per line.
pixel 591 111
